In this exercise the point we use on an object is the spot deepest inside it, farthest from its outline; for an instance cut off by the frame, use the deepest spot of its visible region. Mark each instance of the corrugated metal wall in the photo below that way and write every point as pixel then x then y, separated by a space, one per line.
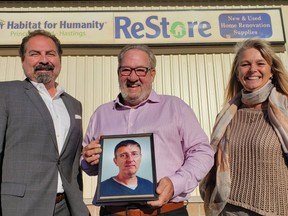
pixel 199 79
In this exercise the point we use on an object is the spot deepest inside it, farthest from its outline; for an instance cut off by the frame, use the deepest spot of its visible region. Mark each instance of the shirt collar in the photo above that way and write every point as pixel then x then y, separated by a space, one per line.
pixel 153 98
pixel 41 88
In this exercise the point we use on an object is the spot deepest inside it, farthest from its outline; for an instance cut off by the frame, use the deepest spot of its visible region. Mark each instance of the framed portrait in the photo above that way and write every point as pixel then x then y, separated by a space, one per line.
pixel 126 169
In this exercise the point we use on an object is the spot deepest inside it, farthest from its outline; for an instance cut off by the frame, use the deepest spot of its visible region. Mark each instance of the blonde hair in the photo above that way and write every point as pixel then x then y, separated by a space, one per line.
pixel 280 75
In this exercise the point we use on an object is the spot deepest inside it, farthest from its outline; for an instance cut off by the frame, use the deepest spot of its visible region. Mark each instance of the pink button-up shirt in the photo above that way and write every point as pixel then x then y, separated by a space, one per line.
pixel 182 150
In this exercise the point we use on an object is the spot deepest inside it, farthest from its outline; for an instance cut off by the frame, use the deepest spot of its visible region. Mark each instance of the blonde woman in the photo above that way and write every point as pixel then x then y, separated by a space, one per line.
pixel 250 137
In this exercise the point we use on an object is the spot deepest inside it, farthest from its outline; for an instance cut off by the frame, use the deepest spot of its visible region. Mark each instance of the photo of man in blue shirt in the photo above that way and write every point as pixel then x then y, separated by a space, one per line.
pixel 127 157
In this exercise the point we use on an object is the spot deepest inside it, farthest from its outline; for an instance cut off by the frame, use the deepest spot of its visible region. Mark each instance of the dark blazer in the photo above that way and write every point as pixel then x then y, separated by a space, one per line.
pixel 29 156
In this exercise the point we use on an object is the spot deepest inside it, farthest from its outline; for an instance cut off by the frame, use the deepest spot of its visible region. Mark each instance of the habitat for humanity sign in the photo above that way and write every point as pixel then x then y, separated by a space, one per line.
pixel 149 27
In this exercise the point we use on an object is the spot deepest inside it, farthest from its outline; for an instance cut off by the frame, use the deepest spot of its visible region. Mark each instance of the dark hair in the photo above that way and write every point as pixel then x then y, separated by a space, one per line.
pixel 31 34
pixel 126 143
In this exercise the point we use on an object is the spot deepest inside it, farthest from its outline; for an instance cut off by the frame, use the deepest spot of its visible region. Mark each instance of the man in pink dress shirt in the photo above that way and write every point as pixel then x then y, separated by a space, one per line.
pixel 182 151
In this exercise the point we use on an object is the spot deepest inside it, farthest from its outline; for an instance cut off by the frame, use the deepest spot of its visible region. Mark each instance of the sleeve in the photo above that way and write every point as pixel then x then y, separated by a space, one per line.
pixel 198 154
pixel 3 120
pixel 90 170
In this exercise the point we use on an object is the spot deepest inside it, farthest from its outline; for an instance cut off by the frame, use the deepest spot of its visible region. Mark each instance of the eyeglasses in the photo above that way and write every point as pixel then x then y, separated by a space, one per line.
pixel 126 71
pixel 134 155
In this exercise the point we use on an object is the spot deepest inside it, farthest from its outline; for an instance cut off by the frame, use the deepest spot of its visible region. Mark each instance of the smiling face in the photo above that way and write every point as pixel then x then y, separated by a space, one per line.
pixel 136 89
pixel 128 159
pixel 253 70
pixel 41 62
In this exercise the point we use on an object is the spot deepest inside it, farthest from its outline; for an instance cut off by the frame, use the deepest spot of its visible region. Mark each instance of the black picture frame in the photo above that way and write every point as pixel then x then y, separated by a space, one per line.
pixel 108 169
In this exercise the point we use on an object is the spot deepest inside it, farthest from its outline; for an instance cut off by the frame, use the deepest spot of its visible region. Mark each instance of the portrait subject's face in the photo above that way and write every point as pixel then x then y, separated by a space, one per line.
pixel 41 62
pixel 128 159
pixel 254 71
pixel 135 89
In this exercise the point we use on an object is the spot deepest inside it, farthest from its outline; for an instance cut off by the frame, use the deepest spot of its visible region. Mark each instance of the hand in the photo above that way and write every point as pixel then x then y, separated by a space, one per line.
pixel 91 152
pixel 165 190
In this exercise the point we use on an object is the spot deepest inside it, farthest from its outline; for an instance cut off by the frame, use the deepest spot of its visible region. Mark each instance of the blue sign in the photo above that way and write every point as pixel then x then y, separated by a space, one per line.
pixel 247 25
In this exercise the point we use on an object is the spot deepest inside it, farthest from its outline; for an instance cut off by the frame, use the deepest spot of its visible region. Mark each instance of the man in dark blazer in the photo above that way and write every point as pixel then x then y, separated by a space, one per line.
pixel 40 137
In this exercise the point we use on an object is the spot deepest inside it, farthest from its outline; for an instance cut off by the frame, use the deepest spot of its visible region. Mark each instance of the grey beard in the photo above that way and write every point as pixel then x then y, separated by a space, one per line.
pixel 134 101
pixel 44 78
